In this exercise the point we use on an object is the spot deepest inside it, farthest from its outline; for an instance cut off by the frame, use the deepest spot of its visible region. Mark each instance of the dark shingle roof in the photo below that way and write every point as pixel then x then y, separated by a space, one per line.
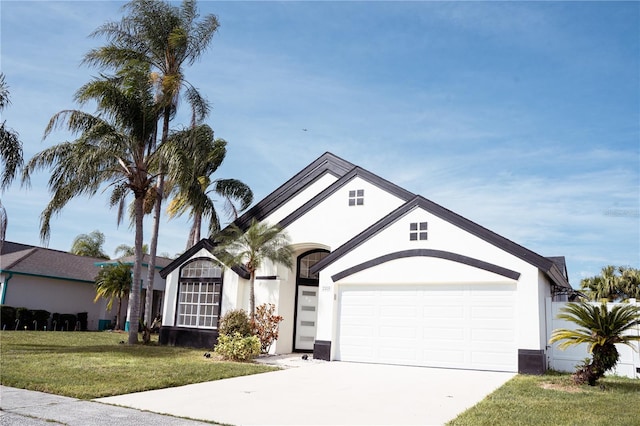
pixel 31 260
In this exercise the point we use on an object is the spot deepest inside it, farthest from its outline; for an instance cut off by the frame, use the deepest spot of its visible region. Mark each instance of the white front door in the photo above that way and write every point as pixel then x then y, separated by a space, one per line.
pixel 306 317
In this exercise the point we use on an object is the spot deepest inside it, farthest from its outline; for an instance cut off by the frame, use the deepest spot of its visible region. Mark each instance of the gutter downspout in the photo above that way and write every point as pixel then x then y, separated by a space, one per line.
pixel 4 288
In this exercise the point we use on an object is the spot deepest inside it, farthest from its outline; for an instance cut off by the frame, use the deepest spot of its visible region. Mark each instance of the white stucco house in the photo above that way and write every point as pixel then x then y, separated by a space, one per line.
pixel 381 275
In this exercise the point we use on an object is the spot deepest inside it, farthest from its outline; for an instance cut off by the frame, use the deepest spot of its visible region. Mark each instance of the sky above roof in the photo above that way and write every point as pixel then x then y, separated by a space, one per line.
pixel 520 116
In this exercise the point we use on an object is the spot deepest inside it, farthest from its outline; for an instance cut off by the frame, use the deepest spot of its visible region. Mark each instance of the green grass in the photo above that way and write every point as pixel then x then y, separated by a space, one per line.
pixel 89 365
pixel 553 399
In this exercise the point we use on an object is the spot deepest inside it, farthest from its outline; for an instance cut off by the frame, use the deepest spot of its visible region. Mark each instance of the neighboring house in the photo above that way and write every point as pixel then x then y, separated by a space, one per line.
pixel 381 275
pixel 60 282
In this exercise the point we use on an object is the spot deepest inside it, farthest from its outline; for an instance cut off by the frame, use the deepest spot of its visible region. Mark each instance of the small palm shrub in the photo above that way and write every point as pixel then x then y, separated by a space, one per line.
pixel 600 328
pixel 236 321
pixel 237 347
pixel 265 325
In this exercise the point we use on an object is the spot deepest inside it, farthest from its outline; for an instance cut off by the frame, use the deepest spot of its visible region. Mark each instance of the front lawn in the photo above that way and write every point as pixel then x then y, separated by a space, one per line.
pixel 553 399
pixel 96 364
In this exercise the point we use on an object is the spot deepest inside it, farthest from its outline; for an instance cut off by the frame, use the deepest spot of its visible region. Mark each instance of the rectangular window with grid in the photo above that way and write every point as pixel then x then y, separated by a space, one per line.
pixel 356 197
pixel 199 304
pixel 418 231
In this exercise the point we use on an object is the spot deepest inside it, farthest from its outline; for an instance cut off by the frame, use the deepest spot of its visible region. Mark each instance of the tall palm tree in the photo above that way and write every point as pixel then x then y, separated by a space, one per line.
pixel 251 248
pixel 630 282
pixel 11 159
pixel 114 147
pixel 166 38
pixel 601 329
pixel 113 281
pixel 125 250
pixel 89 245
pixel 197 157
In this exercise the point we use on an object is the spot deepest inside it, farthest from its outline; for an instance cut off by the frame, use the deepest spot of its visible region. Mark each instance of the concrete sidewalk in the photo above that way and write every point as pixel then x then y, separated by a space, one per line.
pixel 29 408
pixel 330 393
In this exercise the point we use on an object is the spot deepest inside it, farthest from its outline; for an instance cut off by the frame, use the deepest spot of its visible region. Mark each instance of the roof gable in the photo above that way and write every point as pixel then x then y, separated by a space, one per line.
pixel 546 265
pixel 326 163
pixel 206 244
pixel 391 188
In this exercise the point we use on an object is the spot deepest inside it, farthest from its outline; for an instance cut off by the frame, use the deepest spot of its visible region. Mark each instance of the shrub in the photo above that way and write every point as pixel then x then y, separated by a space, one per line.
pixel 82 317
pixel 235 321
pixel 25 318
pixel 41 317
pixel 236 347
pixel 7 317
pixel 67 322
pixel 265 325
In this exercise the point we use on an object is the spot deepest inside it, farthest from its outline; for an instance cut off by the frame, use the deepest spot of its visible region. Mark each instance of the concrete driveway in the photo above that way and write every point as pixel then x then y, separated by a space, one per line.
pixel 330 393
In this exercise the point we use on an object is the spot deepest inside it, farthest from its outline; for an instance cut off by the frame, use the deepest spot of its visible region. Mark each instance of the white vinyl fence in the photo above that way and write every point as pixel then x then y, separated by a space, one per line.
pixel 566 360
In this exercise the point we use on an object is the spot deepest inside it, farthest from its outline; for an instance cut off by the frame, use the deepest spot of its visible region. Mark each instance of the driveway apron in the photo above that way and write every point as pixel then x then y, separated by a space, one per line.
pixel 328 393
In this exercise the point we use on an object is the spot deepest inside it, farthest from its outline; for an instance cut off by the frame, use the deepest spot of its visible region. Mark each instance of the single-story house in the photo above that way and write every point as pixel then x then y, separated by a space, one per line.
pixel 60 282
pixel 381 275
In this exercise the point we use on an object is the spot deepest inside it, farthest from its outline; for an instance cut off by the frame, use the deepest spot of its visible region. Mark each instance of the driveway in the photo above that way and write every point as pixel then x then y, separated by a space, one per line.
pixel 328 393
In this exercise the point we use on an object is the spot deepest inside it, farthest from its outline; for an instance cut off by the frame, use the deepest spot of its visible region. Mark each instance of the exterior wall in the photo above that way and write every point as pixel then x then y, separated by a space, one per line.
pixel 301 198
pixel 442 235
pixel 333 222
pixel 56 296
pixel 566 360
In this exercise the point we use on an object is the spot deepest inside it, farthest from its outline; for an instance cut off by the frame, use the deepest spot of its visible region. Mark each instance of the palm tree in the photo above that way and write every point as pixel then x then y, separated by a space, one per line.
pixel 603 286
pixel 10 156
pixel 89 245
pixel 251 248
pixel 630 282
pixel 113 281
pixel 165 37
pixel 601 329
pixel 198 156
pixel 125 250
pixel 113 147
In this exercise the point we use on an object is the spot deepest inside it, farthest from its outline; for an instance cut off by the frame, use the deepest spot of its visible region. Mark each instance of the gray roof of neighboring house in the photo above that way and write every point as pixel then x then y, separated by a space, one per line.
pixel 38 261
pixel 161 262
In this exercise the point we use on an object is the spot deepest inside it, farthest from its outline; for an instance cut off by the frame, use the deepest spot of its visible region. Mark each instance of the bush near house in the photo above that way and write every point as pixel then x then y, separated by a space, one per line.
pixel 265 325
pixel 236 341
pixel 7 317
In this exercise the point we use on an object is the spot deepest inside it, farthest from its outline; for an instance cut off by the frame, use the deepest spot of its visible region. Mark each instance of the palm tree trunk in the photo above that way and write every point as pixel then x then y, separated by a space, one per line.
pixel 252 296
pixel 152 251
pixel 134 298
pixel 119 313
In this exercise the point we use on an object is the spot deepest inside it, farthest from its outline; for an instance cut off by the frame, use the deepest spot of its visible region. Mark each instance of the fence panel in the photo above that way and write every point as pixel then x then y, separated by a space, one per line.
pixel 566 360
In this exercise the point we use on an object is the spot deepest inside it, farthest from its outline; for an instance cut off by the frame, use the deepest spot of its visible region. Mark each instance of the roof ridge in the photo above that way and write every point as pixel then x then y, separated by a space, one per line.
pixel 28 254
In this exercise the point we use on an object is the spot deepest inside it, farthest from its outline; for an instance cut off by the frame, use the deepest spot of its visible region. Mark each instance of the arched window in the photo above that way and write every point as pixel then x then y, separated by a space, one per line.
pixel 199 294
pixel 305 262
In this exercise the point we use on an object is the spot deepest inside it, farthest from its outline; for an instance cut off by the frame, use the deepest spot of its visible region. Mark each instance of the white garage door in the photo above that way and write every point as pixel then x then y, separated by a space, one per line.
pixel 469 326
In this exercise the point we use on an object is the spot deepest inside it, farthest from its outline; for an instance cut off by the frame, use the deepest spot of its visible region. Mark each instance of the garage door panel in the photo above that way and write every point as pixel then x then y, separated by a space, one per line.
pixel 454 326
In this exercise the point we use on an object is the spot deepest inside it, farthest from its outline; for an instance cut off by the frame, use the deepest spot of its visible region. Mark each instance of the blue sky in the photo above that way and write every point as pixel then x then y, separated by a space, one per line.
pixel 521 116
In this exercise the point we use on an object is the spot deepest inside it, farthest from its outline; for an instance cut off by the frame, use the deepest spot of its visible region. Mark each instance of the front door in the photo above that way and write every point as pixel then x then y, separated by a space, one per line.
pixel 306 317
pixel 306 300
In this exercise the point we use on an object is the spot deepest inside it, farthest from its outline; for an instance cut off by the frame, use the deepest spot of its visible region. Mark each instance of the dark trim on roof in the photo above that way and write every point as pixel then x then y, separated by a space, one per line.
pixel 344 180
pixel 326 163
pixel 205 243
pixel 439 254
pixel 26 274
pixel 208 245
pixel 267 277
pixel 544 264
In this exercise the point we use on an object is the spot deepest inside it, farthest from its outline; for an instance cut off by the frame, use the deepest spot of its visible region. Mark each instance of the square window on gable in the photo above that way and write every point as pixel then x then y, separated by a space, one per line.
pixel 356 197
pixel 418 231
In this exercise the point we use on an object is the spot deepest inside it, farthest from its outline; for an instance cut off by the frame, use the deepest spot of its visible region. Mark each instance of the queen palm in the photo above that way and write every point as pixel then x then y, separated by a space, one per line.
pixel 166 38
pixel 603 286
pixel 10 155
pixel 197 156
pixel 251 248
pixel 113 147
pixel 113 282
pixel 601 329
pixel 89 245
